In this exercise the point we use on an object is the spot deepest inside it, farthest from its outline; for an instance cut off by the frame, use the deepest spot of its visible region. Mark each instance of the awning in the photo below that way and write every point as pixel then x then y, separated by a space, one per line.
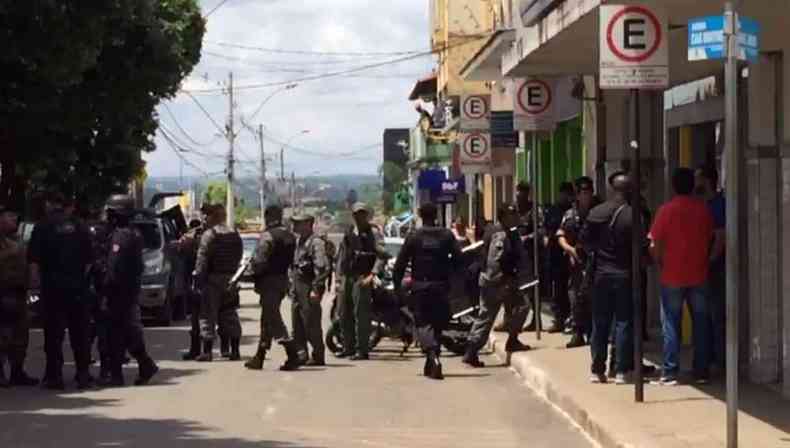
pixel 424 87
pixel 566 40
pixel 486 64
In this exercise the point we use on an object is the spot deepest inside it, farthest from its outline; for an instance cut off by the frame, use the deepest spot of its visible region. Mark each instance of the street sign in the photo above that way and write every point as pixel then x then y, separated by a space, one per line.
pixel 475 149
pixel 708 42
pixel 534 105
pixel 476 113
pixel 634 48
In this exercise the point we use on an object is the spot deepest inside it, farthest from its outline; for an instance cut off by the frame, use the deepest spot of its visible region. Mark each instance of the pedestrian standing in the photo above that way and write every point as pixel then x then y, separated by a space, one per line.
pixel 309 272
pixel 219 256
pixel 270 264
pixel 556 263
pixel 188 248
pixel 501 259
pixel 609 240
pixel 707 188
pixel 433 253
pixel 680 243
pixel 363 259
pixel 569 239
pixel 60 256
pixel 123 285
pixel 14 319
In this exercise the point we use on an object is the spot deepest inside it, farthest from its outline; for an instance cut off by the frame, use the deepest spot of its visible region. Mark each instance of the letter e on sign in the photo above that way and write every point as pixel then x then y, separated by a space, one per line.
pixel 634 47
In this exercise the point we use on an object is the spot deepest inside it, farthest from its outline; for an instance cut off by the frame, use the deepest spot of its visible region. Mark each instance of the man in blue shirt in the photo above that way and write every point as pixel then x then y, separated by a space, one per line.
pixel 707 187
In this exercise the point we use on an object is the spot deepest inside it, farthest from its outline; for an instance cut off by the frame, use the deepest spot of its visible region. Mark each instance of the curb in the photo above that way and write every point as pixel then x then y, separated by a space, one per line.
pixel 541 383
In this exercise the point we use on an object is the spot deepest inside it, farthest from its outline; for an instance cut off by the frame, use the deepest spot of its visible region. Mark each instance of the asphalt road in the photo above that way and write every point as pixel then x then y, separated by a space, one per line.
pixel 380 403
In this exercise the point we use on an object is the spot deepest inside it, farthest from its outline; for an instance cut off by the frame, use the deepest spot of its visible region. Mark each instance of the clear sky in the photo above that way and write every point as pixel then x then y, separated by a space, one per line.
pixel 345 115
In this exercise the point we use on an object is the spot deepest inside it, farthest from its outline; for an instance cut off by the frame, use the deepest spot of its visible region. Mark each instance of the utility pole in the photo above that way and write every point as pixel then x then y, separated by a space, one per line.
pixel 263 178
pixel 231 137
pixel 293 193
pixel 733 160
pixel 282 163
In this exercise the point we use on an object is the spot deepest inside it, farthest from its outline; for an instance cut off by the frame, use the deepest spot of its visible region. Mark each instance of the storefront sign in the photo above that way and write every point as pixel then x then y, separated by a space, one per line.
pixel 450 189
pixel 634 48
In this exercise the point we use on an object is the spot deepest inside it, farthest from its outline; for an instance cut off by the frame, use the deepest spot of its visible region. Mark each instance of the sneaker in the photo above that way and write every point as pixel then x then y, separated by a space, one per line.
pixel 622 378
pixel 668 381
pixel 598 378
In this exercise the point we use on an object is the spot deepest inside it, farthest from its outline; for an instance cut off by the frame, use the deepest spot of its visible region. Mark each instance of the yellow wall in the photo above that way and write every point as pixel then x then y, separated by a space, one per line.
pixel 453 22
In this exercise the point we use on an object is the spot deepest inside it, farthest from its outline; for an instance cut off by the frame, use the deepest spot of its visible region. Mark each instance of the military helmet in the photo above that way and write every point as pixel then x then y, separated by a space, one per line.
pixel 120 203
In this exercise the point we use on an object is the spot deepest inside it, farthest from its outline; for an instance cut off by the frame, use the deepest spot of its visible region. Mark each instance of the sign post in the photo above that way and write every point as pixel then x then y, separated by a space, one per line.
pixel 634 56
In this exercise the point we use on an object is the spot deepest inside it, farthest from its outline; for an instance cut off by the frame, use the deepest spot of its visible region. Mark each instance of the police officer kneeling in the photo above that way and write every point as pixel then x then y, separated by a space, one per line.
pixel 219 256
pixel 498 282
pixel 432 253
pixel 123 284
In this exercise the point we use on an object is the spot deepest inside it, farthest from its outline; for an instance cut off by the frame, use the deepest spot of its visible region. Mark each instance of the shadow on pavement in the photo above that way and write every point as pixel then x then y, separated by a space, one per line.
pixel 29 430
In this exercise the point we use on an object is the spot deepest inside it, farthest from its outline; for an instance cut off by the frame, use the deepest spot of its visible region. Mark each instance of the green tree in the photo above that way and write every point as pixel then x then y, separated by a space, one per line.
pixel 81 84
pixel 217 193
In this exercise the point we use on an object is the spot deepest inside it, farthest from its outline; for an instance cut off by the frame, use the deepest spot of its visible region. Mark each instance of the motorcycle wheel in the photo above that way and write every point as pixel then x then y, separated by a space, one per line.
pixel 334 337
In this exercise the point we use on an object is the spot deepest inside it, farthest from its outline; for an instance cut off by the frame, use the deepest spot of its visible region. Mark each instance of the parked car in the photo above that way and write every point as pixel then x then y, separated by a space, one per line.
pixel 250 241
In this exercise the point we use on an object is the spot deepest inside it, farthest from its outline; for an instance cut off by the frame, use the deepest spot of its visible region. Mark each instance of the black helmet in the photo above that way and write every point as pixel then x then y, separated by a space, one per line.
pixel 121 203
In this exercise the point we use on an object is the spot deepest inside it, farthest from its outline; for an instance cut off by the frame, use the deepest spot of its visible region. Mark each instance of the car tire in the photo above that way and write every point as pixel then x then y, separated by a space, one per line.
pixel 334 337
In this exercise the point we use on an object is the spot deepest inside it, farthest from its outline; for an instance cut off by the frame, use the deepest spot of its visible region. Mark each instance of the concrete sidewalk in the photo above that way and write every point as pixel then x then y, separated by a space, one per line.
pixel 671 417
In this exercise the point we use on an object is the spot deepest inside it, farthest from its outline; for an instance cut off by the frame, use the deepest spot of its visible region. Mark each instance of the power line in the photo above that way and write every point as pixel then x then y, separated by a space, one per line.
pixel 220 5
pixel 205 112
pixel 178 125
pixel 316 53
pixel 183 158
pixel 168 134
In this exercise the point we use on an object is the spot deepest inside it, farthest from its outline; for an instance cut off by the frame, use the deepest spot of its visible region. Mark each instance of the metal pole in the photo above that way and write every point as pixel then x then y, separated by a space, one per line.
pixel 637 241
pixel 293 192
pixel 231 137
pixel 535 239
pixel 263 178
pixel 733 214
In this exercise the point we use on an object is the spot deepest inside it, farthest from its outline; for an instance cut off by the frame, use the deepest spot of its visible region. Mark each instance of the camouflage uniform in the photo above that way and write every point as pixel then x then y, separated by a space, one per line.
pixel 310 270
pixel 14 320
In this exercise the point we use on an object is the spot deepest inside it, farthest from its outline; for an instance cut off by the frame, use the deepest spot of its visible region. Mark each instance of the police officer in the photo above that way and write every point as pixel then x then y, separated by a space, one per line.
pixel 100 317
pixel 219 257
pixel 124 272
pixel 60 254
pixel 188 249
pixel 14 319
pixel 363 258
pixel 556 264
pixel 499 284
pixel 309 274
pixel 432 252
pixel 270 264
pixel 569 238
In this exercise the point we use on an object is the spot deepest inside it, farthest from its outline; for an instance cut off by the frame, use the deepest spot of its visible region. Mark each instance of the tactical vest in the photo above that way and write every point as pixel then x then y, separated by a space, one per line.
pixel 432 258
pixel 227 251
pixel 284 247
pixel 511 259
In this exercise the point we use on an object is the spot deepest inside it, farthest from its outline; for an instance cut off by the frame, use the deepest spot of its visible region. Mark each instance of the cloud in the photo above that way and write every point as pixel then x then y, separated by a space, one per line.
pixel 343 113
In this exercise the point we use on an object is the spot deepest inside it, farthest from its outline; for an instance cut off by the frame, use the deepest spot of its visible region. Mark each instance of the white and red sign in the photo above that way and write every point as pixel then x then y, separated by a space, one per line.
pixel 475 113
pixel 534 108
pixel 634 47
pixel 475 149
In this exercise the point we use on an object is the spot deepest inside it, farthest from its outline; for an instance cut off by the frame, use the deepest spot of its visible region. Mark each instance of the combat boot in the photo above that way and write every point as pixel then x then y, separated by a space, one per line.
pixel 224 347
pixel 208 355
pixel 292 362
pixel 84 380
pixel 105 374
pixel 235 353
pixel 3 380
pixel 434 366
pixel 514 345
pixel 256 363
pixel 148 369
pixel 576 341
pixel 194 348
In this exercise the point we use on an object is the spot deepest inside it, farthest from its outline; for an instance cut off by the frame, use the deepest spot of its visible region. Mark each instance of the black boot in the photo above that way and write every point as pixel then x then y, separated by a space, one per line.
pixel 3 380
pixel 18 375
pixel 105 374
pixel 576 341
pixel 208 355
pixel 293 362
pixel 224 347
pixel 84 380
pixel 514 345
pixel 235 353
pixel 256 363
pixel 435 366
pixel 194 348
pixel 148 369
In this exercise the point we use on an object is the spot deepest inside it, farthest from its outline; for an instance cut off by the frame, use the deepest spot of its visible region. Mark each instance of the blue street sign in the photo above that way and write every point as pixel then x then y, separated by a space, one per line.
pixel 707 40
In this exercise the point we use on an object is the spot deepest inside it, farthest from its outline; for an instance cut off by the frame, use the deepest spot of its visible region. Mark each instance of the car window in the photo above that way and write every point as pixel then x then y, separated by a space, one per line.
pixel 152 235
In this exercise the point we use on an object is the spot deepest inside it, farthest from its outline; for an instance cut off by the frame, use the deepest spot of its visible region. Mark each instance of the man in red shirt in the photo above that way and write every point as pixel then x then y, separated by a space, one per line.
pixel 680 243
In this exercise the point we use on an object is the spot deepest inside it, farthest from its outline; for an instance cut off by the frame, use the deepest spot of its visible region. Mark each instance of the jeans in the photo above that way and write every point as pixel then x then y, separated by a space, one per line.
pixel 612 301
pixel 672 300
